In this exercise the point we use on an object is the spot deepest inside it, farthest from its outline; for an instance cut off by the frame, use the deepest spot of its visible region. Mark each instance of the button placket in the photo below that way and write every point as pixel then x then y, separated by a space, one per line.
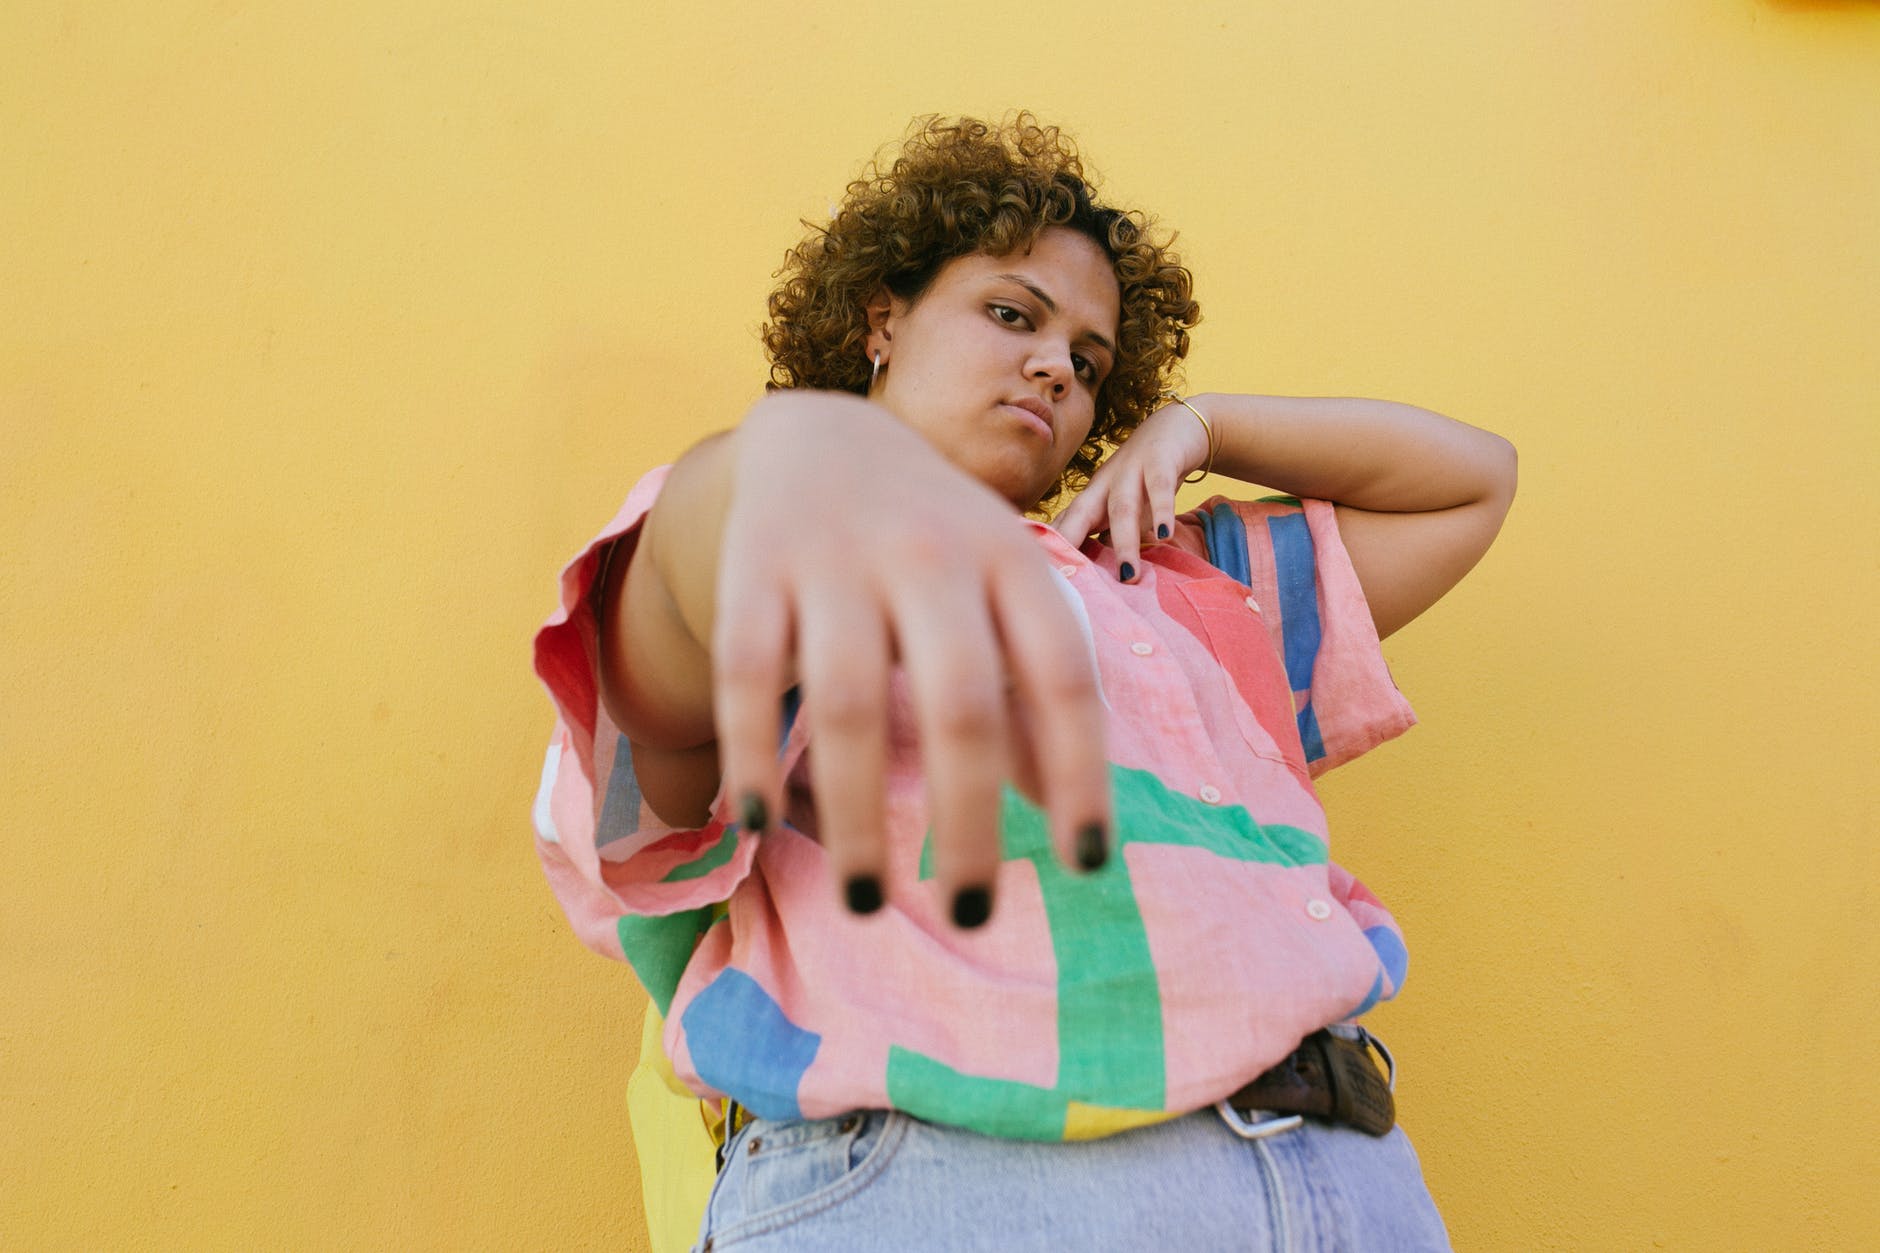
pixel 1224 606
pixel 1152 657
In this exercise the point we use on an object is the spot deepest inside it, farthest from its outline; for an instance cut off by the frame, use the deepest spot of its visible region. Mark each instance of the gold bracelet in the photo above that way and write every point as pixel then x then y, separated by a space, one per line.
pixel 1197 475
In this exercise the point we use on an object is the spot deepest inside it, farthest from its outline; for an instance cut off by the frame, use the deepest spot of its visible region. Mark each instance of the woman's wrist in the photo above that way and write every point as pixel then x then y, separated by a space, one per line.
pixel 1210 442
pixel 1235 423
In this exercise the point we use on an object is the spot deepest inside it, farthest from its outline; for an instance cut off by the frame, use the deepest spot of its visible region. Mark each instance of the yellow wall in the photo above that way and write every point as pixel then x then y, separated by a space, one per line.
pixel 327 331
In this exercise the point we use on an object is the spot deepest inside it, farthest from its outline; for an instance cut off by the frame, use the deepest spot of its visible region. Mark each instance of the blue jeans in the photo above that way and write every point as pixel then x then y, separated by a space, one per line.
pixel 875 1179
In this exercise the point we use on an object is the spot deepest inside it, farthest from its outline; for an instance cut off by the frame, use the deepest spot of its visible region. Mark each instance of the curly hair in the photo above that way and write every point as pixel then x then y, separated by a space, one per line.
pixel 963 186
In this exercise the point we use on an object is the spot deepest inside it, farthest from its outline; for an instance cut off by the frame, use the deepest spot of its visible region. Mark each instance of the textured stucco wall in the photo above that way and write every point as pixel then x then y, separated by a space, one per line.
pixel 327 331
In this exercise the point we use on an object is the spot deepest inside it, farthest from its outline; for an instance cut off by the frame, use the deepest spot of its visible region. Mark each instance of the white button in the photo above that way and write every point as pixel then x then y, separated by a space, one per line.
pixel 1067 571
pixel 1141 649
pixel 1210 794
pixel 1318 909
pixel 1253 604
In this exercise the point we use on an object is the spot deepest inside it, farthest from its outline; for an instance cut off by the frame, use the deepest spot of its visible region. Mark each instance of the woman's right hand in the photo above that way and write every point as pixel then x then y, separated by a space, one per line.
pixel 850 546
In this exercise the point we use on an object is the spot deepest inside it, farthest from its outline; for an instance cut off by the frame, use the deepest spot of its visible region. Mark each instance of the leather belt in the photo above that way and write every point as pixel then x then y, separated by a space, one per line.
pixel 1328 1077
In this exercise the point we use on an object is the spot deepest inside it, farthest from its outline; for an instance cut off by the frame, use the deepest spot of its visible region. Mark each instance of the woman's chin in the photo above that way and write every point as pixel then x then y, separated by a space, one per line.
pixel 1018 478
pixel 1024 495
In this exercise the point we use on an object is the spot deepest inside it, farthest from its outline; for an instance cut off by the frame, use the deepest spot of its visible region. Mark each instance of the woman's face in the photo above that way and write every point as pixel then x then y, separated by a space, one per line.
pixel 998 363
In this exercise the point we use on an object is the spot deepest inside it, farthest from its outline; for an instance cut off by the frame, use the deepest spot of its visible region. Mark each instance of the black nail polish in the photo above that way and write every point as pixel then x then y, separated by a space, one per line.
pixel 751 812
pixel 1126 572
pixel 972 907
pixel 864 894
pixel 1161 530
pixel 1092 848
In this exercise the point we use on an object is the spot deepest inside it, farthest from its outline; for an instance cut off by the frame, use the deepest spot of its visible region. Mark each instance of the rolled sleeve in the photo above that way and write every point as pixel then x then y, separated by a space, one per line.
pixel 1344 699
pixel 609 858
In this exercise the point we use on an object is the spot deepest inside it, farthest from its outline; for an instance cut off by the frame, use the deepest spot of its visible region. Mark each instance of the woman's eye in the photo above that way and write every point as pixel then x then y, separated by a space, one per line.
pixel 1008 315
pixel 1085 367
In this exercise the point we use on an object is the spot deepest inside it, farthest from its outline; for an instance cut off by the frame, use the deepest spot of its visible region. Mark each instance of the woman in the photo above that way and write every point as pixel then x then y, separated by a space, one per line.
pixel 1039 943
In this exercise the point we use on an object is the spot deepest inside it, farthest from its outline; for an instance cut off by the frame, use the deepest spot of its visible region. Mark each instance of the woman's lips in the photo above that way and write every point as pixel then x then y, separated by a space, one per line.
pixel 1033 414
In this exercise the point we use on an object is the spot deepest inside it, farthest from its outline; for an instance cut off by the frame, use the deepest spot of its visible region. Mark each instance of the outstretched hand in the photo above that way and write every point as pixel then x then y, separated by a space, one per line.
pixel 850 547
pixel 1132 494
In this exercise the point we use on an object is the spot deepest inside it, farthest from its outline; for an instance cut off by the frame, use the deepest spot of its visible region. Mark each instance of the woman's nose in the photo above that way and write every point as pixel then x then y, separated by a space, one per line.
pixel 1055 366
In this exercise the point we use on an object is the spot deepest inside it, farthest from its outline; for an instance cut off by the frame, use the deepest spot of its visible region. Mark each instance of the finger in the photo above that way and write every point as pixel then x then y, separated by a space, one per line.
pixel 844 663
pixel 1054 669
pixel 1125 508
pixel 751 641
pixel 1159 484
pixel 1081 516
pixel 954 669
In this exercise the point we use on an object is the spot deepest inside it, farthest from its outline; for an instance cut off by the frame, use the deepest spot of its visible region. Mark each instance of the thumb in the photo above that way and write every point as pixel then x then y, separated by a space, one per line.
pixel 1077 519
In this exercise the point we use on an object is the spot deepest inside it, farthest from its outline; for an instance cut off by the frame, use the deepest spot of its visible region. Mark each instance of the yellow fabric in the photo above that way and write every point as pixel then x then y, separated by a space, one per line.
pixel 653 1055
pixel 677 1157
pixel 1088 1122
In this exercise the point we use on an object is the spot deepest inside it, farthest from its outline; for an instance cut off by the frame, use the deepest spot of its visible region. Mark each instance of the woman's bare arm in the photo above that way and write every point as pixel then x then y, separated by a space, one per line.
pixel 1420 497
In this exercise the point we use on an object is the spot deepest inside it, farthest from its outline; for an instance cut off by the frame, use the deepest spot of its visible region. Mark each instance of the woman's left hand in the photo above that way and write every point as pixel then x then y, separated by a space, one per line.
pixel 1132 494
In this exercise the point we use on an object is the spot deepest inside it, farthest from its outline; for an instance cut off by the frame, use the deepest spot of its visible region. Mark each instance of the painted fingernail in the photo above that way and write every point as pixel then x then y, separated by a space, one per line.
pixel 864 894
pixel 971 908
pixel 1126 572
pixel 1161 530
pixel 751 812
pixel 1092 848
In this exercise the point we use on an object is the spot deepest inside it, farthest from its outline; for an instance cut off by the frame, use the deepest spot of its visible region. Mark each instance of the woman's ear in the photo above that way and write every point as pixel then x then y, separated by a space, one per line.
pixel 880 311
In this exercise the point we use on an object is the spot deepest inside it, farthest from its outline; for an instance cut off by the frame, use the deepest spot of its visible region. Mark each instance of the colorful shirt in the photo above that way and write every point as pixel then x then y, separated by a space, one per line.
pixel 1218 935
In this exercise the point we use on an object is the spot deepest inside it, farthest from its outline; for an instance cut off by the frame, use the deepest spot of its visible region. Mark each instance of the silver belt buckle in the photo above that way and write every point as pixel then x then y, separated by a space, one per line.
pixel 1240 1125
pixel 1390 1063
